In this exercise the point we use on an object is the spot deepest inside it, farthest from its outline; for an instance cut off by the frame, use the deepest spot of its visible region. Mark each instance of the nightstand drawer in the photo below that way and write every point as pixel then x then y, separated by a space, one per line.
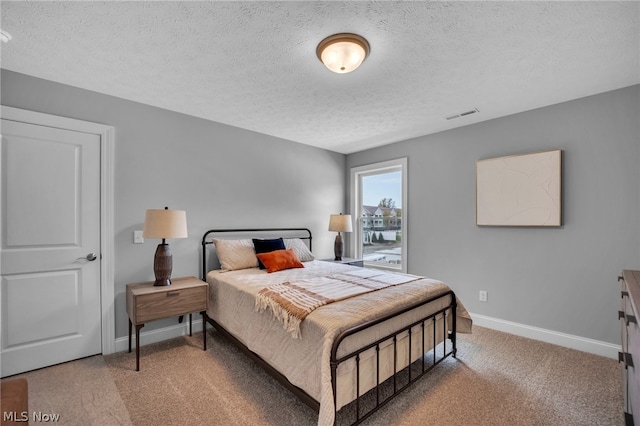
pixel 170 303
pixel 147 302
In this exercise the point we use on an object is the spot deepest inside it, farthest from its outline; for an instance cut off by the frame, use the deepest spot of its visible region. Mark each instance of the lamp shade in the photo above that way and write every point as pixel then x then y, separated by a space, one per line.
pixel 340 223
pixel 343 53
pixel 165 224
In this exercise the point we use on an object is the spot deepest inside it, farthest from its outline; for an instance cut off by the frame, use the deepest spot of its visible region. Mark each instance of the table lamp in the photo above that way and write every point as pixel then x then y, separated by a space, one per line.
pixel 164 224
pixel 339 223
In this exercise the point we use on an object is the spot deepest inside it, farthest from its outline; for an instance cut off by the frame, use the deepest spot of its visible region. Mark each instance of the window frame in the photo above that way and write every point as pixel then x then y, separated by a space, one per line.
pixel 355 184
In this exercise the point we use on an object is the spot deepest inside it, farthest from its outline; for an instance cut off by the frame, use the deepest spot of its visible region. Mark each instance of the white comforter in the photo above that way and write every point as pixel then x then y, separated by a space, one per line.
pixel 305 361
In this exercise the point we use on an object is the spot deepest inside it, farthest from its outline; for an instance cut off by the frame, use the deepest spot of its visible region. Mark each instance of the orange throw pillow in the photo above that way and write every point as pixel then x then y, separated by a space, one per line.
pixel 279 260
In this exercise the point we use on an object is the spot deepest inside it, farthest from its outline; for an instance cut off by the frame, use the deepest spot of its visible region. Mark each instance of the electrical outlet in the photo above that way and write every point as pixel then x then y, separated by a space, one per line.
pixel 483 296
pixel 137 237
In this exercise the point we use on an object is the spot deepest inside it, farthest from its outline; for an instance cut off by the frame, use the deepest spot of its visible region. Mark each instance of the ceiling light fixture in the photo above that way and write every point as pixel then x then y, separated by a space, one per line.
pixel 343 53
pixel 5 36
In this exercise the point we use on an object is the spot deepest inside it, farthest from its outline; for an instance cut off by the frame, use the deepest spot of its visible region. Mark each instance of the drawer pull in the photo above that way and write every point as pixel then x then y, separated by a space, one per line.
pixel 624 294
pixel 627 318
pixel 620 278
pixel 173 293
pixel 626 358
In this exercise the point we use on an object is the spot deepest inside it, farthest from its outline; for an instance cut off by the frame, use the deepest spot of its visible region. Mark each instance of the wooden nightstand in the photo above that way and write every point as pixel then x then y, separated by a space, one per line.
pixel 145 303
pixel 346 261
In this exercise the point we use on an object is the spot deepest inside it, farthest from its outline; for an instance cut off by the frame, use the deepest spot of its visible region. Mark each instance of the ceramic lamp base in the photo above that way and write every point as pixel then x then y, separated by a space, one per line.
pixel 162 265
pixel 338 247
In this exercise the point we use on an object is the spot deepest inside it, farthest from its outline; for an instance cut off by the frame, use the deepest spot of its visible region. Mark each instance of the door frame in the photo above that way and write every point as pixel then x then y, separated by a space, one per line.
pixel 107 237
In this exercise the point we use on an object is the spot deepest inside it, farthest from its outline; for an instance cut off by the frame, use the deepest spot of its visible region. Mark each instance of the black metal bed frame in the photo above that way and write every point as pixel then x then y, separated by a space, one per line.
pixel 421 365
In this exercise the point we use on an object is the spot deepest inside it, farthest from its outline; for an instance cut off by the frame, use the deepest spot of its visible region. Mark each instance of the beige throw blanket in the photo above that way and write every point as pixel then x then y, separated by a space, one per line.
pixel 292 301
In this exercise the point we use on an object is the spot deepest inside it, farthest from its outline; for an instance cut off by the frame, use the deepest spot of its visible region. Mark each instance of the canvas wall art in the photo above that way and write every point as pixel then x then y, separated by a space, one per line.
pixel 520 190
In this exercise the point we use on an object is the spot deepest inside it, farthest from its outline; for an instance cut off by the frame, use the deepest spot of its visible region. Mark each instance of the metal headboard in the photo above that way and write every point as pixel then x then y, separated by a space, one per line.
pixel 303 231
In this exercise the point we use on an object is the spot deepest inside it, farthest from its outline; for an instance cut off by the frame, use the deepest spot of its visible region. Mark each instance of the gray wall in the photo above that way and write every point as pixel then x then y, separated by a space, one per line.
pixel 561 279
pixel 221 175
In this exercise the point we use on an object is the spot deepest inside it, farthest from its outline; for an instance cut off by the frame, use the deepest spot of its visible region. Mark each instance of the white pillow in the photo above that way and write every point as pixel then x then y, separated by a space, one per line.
pixel 299 248
pixel 235 254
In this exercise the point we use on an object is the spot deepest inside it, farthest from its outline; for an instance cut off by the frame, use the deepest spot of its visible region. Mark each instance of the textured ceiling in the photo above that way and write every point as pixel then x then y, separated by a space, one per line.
pixel 253 64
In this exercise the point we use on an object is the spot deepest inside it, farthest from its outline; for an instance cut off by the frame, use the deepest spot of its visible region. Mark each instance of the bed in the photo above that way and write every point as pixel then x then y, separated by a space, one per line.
pixel 348 352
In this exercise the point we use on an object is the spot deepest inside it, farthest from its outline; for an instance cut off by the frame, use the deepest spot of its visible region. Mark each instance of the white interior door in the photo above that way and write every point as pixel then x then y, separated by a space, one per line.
pixel 50 307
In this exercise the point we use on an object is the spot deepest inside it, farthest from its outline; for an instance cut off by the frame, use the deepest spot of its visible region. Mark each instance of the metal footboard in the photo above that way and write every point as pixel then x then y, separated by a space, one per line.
pixel 396 382
pixel 423 367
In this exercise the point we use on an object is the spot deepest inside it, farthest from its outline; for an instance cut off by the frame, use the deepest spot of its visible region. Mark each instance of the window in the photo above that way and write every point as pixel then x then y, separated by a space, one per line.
pixel 378 202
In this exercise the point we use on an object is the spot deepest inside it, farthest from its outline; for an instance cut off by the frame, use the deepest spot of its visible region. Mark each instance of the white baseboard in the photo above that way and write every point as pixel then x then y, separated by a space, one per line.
pixel 596 347
pixel 158 335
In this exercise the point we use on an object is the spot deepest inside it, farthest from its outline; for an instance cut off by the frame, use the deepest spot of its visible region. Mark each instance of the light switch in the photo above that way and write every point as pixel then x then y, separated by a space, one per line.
pixel 137 237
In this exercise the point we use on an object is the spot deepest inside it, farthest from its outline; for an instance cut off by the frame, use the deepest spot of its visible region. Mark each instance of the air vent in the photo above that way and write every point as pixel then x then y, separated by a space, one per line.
pixel 463 114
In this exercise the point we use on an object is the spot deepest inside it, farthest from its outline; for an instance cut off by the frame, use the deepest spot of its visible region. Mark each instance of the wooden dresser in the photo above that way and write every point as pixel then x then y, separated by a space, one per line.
pixel 630 354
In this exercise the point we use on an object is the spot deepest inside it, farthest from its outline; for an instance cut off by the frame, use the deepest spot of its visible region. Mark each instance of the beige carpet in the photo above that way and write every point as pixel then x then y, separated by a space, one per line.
pixel 81 393
pixel 498 379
